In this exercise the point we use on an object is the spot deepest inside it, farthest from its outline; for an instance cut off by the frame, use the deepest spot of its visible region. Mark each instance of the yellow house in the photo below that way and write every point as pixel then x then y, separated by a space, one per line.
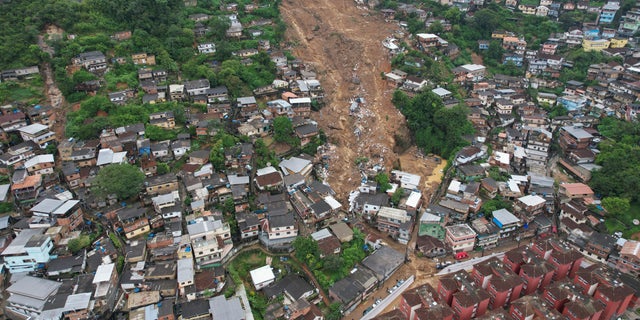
pixel 136 228
pixel 618 42
pixel 595 45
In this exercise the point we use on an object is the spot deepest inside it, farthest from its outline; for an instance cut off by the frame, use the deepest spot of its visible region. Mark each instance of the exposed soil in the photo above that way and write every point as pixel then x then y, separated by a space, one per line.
pixel 343 42
pixel 55 98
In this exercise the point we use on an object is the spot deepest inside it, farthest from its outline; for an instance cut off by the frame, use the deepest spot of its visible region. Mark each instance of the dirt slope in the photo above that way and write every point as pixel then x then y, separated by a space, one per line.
pixel 343 41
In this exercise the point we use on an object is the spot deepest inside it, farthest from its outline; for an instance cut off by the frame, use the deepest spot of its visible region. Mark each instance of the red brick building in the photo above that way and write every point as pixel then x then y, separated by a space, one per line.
pixel 421 303
pixel 467 299
pixel 502 284
pixel 532 307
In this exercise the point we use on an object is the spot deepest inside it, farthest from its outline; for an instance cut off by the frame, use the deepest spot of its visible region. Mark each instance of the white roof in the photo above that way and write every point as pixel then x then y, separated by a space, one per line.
pixel 4 222
pixel 247 100
pixel 505 217
pixel 300 100
pixel 392 76
pixel 441 92
pixel 321 234
pixel 78 301
pixel 185 270
pixel 42 158
pixel 426 35
pixel 430 218
pixel 531 200
pixel 332 202
pixel 262 274
pixel 107 156
pixel 235 179
pixel 265 170
pixel 501 157
pixel 414 199
pixel 33 128
pixel 513 186
pixel 17 245
pixel 4 190
pixel 454 186
pixel 104 272
pixel 33 287
pixel 294 164
pixel 473 67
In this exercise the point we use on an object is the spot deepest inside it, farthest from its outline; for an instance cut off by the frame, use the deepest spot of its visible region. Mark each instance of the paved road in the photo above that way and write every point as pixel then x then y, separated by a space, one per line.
pixel 388 299
pixel 468 264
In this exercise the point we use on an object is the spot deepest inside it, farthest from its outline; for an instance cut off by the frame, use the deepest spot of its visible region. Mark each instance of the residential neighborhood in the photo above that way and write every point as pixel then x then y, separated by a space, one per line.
pixel 236 176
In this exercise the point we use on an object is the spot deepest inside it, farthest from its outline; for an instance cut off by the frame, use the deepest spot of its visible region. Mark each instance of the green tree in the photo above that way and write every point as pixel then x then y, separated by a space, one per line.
pixel 229 206
pixel 306 250
pixel 123 180
pixel 397 196
pixel 333 263
pixel 162 168
pixel 616 206
pixel 334 312
pixel 489 206
pixel 282 129
pixel 383 181
pixel 78 243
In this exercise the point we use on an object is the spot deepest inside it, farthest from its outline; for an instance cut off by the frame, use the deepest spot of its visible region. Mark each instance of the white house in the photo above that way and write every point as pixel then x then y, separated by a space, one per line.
pixel 262 277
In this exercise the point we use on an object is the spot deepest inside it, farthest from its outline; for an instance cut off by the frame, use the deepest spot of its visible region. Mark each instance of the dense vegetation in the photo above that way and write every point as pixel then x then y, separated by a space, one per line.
pixel 435 129
pixel 620 160
pixel 331 268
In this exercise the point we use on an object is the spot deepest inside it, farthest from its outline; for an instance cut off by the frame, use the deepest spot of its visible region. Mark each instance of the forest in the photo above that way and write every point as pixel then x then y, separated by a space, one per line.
pixel 436 129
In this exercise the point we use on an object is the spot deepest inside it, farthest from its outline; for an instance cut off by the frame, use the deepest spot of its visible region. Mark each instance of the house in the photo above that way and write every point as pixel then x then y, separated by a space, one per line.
pixel 40 164
pixel 134 221
pixel 228 309
pixel 210 240
pixel 469 154
pixel 176 92
pixel 292 286
pixel 185 275
pixel 163 119
pixel 628 258
pixel 67 213
pixel 575 191
pixel 262 277
pixel 297 165
pixel 306 132
pixel 29 248
pixel 442 93
pixel 506 222
pixel 106 284
pixel 268 178
pixel 249 224
pixel 29 295
pixel 92 61
pixel 196 87
pixel 460 237
pixel 407 180
pixel 144 58
pixel 469 72
pixel 107 157
pixel 430 247
pixel 384 262
pixel 356 286
pixel 396 222
pixel 37 133
pixel 342 232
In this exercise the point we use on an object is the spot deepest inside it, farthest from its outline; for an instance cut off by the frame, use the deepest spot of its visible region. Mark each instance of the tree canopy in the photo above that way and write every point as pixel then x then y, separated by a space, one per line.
pixel 123 180
pixel 436 129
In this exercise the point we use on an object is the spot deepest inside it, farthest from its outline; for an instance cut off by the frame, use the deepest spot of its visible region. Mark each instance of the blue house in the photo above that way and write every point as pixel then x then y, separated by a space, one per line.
pixel 483 44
